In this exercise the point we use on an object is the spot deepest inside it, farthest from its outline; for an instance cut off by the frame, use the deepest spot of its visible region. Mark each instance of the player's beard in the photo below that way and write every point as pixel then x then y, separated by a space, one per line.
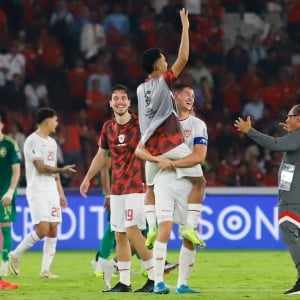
pixel 120 114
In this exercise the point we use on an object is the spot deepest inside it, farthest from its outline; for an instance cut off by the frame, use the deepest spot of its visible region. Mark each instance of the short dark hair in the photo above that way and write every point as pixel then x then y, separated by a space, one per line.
pixel 179 87
pixel 148 58
pixel 120 87
pixel 44 113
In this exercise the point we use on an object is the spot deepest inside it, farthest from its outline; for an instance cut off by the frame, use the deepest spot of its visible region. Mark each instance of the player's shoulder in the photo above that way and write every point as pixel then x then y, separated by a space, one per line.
pixel 31 136
pixel 196 119
pixel 11 141
pixel 108 123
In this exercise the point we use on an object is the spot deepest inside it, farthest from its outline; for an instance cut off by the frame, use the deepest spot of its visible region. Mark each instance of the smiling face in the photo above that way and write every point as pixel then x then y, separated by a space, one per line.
pixel 119 102
pixel 185 99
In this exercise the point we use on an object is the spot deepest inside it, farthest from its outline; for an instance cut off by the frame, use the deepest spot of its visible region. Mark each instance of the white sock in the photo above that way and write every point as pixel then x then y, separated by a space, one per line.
pixel 159 258
pixel 148 266
pixel 124 270
pixel 99 265
pixel 150 216
pixel 29 240
pixel 193 214
pixel 49 250
pixel 186 263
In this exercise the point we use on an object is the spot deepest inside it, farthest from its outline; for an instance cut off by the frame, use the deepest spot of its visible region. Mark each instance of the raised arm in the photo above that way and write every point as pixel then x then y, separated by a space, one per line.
pixel 184 48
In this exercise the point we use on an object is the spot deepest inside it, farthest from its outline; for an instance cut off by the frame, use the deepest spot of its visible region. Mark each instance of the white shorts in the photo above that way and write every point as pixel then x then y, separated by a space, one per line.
pixel 44 207
pixel 126 211
pixel 181 151
pixel 171 197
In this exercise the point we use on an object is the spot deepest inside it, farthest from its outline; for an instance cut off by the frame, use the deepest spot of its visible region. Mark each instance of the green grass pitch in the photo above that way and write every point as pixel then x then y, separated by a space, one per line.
pixel 226 275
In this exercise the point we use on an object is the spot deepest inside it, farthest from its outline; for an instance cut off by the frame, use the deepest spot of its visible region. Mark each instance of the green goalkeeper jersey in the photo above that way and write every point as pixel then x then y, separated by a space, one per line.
pixel 9 155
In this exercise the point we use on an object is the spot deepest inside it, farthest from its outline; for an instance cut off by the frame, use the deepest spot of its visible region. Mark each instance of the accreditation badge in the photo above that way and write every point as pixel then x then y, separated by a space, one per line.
pixel 286 177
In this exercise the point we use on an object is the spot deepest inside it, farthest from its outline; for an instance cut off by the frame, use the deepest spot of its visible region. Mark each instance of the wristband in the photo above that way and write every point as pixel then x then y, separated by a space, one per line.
pixel 107 196
pixel 9 194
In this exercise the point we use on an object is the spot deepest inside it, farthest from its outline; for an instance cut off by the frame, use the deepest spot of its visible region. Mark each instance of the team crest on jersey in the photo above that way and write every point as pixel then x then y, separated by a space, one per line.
pixel 187 132
pixel 3 152
pixel 121 138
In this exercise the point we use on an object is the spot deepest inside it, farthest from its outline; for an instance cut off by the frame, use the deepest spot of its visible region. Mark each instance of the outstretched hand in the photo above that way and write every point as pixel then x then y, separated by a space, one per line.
pixel 184 18
pixel 285 126
pixel 69 169
pixel 243 125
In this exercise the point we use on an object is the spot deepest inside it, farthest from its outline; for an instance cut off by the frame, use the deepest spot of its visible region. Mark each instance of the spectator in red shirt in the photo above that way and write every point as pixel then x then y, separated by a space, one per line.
pixel 70 137
pixel 228 168
pixel 147 25
pixel 97 105
pixel 288 88
pixel 77 80
pixel 50 50
pixel 231 93
pixel 293 18
pixel 271 94
pixel 212 179
pixel 251 82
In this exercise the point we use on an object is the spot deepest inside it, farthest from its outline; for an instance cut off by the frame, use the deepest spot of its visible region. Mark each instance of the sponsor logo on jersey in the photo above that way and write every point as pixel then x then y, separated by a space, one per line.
pixel 3 151
pixel 121 138
pixel 187 132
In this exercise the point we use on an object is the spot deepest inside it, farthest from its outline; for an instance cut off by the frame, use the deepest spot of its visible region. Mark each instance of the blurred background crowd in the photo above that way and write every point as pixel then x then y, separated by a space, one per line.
pixel 244 60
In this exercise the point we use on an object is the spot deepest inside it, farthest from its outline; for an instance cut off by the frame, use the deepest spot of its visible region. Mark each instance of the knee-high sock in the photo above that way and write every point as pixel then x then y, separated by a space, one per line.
pixel 6 242
pixel 193 214
pixel 49 250
pixel 107 243
pixel 159 259
pixel 124 270
pixel 150 216
pixel 29 240
pixel 186 263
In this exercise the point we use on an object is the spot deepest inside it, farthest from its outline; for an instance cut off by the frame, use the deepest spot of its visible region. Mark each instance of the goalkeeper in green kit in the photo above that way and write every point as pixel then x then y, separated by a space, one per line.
pixel 9 173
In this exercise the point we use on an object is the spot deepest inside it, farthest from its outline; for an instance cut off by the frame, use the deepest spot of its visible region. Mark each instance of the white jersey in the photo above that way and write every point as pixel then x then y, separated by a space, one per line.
pixel 39 148
pixel 194 131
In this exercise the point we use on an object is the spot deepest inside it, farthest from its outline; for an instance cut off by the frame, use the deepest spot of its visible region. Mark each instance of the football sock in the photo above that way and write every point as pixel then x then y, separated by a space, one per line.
pixel 186 263
pixel 148 266
pixel 107 243
pixel 124 270
pixel 150 216
pixel 193 215
pixel 159 258
pixel 49 249
pixel 29 240
pixel 6 242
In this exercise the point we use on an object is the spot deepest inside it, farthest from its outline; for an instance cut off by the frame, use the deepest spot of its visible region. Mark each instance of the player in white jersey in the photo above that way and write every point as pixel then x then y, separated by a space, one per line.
pixel 171 193
pixel 44 191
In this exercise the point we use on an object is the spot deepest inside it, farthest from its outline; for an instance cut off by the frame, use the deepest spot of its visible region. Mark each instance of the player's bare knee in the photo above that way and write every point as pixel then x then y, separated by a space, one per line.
pixel 199 182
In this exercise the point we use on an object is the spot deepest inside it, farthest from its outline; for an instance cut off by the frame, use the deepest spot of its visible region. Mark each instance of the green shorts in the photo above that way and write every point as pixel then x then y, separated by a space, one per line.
pixel 8 213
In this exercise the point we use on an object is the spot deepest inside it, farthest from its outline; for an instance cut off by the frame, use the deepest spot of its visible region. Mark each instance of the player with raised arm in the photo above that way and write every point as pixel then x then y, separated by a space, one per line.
pixel 160 129
pixel 171 194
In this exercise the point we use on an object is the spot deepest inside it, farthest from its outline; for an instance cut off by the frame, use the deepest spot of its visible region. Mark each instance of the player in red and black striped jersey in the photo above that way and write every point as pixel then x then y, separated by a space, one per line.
pixel 120 137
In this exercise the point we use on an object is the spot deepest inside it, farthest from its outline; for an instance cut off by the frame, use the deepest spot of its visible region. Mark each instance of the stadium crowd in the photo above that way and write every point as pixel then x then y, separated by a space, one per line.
pixel 244 60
